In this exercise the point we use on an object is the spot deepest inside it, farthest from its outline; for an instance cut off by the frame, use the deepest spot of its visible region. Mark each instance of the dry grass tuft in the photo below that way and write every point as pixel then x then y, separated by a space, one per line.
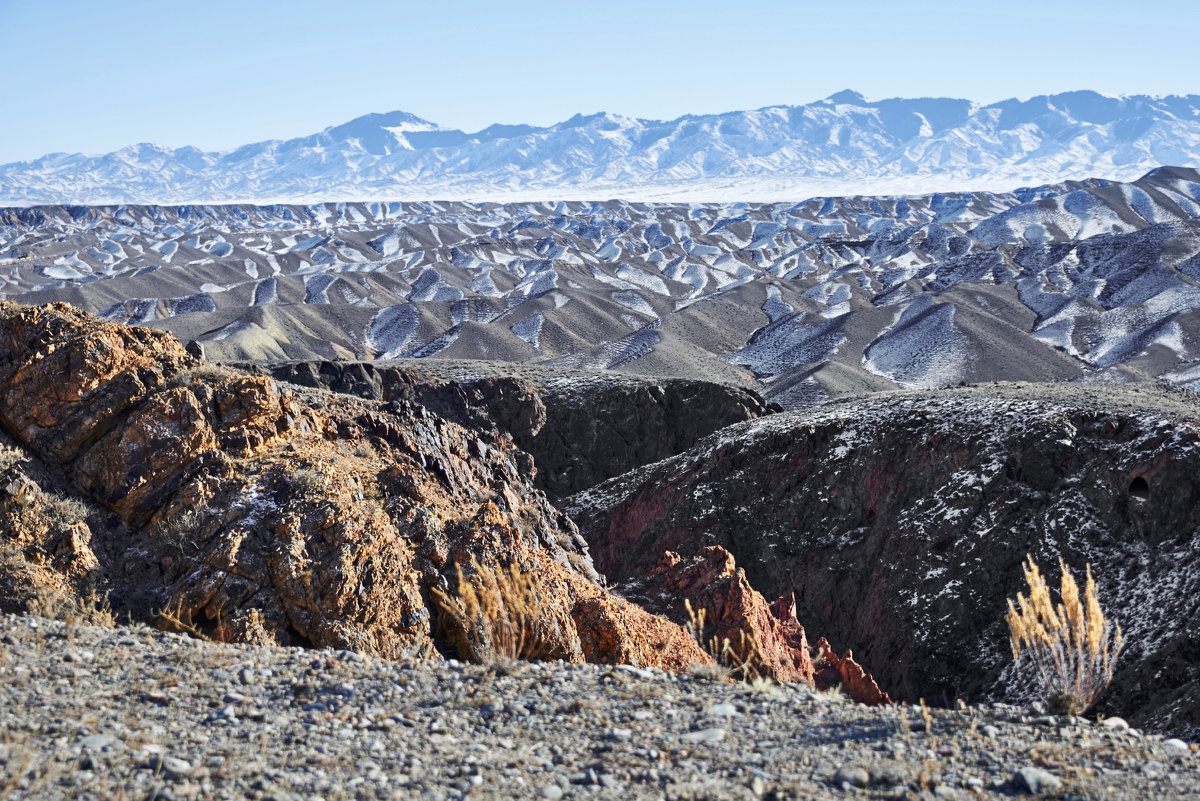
pixel 496 614
pixel 1072 646
pixel 180 620
pixel 208 372
pixel 740 662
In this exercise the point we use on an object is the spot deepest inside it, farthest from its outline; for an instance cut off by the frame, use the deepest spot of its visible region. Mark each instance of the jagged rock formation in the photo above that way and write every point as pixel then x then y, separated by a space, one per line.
pixel 253 512
pixel 900 521
pixel 581 427
pixel 764 638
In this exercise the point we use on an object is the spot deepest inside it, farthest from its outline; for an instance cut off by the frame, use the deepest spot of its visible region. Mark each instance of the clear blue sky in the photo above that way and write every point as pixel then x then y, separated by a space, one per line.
pixel 92 76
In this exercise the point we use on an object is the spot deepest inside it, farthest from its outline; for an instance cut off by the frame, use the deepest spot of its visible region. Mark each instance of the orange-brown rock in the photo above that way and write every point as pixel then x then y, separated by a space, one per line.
pixel 251 512
pixel 834 670
pixel 766 638
pixel 64 378
pixel 45 543
pixel 612 630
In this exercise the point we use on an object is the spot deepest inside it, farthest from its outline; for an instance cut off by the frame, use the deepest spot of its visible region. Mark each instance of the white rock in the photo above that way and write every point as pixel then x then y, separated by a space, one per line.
pixel 704 736
pixel 855 777
pixel 722 711
pixel 1036 780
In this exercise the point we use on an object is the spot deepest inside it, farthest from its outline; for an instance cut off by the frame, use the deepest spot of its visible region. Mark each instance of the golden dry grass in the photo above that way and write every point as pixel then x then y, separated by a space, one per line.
pixel 741 662
pixel 1072 646
pixel 496 614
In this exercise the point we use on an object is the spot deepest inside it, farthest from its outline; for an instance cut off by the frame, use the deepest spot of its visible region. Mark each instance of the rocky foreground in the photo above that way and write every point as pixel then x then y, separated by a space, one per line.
pixel 100 713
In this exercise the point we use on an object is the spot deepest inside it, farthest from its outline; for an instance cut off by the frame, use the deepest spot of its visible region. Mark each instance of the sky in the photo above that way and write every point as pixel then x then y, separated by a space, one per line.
pixel 92 77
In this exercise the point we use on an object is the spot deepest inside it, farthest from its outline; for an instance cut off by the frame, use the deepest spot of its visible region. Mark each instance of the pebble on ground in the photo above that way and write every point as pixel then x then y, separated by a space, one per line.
pixel 133 713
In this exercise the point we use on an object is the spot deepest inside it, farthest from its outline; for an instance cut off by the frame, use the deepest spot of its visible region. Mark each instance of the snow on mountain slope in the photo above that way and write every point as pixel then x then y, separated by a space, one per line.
pixel 1090 280
pixel 844 144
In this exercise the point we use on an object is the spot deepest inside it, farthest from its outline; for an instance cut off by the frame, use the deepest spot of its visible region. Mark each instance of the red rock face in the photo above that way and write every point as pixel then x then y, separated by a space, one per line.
pixel 766 638
pixel 843 671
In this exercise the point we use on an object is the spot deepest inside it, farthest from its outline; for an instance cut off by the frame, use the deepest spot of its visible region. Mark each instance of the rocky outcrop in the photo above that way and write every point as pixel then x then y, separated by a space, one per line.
pixel 711 596
pixel 492 403
pixel 46 559
pixel 249 511
pixel 900 522
pixel 581 427
pixel 844 672
pixel 738 623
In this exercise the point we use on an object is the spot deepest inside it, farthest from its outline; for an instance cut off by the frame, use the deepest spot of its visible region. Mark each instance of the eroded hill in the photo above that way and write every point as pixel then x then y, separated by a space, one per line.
pixel 899 521
pixel 237 507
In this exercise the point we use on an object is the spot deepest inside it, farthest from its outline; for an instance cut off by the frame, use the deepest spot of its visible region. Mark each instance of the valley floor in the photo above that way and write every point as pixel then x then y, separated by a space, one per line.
pixel 98 713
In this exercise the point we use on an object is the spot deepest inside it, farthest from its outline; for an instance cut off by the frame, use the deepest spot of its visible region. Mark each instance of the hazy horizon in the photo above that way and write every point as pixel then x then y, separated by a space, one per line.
pixel 223 74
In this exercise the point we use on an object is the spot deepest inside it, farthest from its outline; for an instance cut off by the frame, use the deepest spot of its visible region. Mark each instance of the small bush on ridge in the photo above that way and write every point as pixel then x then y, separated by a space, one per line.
pixel 496 614
pixel 1072 646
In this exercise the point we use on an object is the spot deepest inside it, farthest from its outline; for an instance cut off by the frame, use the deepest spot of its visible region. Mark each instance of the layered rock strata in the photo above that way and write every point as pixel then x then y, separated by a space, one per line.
pixel 581 427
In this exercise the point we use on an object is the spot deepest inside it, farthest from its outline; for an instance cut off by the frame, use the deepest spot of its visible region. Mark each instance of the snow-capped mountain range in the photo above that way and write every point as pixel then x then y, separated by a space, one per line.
pixel 844 144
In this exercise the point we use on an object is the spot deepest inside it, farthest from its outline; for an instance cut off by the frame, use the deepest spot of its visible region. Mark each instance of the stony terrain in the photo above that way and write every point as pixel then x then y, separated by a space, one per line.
pixel 101 713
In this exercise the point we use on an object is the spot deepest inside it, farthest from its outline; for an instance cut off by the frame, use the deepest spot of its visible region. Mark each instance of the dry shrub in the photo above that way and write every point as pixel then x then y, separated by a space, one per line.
pixel 1072 646
pixel 740 662
pixel 182 620
pixel 64 510
pixel 208 372
pixel 497 614
pixel 10 457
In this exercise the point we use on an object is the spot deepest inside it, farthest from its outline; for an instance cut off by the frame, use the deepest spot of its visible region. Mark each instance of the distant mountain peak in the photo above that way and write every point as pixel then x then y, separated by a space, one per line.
pixel 828 147
pixel 847 97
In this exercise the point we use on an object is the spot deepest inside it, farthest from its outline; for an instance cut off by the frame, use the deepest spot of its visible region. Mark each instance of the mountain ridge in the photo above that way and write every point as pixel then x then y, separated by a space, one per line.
pixel 838 145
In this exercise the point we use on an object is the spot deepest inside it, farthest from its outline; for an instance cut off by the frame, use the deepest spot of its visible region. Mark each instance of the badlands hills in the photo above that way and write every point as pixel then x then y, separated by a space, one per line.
pixel 1093 280
pixel 846 417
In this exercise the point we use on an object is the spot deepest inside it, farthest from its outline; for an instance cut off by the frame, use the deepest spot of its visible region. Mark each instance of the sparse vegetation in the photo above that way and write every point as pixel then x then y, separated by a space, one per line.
pixel 180 620
pixel 308 479
pixel 495 614
pixel 1073 648
pixel 730 662
pixel 207 372
pixel 9 457
pixel 64 510
pixel 184 530
pixel 28 588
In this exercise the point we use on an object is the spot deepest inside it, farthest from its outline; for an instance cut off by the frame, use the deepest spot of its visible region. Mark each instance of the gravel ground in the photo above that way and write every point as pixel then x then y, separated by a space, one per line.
pixel 139 714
